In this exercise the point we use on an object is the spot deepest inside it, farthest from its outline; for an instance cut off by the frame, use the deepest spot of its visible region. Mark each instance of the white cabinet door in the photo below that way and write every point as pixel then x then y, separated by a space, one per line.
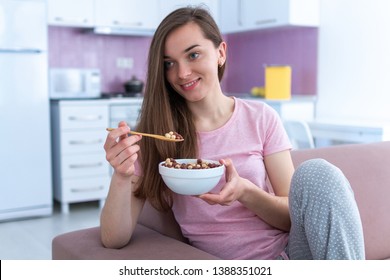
pixel 127 14
pixel 167 6
pixel 230 16
pixel 22 26
pixel 245 15
pixel 77 13
pixel 263 13
pixel 128 112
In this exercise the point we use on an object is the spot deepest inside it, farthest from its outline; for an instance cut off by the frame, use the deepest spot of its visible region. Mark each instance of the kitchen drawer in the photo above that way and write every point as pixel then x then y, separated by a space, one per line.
pixel 81 142
pixel 125 111
pixel 85 189
pixel 130 122
pixel 78 166
pixel 83 117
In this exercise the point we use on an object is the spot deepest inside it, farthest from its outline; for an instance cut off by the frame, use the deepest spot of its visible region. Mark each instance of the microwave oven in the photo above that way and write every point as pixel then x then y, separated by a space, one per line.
pixel 71 83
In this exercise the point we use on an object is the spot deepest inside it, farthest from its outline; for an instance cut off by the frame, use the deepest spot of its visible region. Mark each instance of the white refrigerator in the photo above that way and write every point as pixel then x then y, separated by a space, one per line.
pixel 25 152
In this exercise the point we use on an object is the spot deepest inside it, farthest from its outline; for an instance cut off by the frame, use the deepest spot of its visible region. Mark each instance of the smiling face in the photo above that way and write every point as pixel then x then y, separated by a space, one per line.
pixel 191 62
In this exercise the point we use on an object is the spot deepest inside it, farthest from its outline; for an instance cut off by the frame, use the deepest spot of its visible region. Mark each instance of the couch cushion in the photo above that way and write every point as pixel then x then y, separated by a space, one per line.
pixel 367 167
pixel 145 244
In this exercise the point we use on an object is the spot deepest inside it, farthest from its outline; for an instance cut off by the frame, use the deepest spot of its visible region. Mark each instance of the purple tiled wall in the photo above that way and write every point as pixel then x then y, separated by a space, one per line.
pixel 247 53
pixel 73 47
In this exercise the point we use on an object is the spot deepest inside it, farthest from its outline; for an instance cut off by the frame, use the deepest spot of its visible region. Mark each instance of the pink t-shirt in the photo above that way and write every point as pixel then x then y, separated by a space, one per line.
pixel 234 232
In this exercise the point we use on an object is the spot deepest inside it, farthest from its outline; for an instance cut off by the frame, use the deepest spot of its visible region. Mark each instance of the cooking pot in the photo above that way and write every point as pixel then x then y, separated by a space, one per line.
pixel 134 85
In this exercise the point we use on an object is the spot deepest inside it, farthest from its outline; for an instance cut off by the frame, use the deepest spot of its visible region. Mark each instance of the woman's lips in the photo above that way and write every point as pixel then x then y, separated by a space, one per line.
pixel 191 85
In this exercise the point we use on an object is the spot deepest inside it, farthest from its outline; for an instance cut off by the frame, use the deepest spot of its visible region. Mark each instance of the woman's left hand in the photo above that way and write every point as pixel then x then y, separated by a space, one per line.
pixel 271 208
pixel 232 190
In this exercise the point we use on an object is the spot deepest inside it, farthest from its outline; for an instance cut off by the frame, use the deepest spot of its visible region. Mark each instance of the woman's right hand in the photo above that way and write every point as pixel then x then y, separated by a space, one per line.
pixel 121 150
pixel 121 210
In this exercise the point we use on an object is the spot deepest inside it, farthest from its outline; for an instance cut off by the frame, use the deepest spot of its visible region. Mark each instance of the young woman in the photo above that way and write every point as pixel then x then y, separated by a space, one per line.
pixel 244 217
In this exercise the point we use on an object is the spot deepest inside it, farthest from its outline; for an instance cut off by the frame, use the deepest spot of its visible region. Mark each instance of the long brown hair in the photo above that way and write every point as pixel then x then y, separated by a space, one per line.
pixel 164 110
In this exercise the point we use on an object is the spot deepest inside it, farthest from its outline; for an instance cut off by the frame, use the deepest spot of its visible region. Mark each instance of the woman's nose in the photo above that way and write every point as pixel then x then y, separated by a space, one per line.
pixel 184 70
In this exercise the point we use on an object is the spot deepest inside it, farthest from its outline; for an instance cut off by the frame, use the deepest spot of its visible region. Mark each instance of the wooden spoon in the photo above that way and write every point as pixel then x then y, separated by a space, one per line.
pixel 156 136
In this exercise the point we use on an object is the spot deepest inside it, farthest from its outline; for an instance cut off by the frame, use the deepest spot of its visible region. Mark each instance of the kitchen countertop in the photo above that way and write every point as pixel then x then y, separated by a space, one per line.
pixel 294 98
pixel 350 130
pixel 98 101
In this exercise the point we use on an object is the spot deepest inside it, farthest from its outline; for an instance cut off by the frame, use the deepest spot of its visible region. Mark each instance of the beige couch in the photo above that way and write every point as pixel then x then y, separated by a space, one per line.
pixel 157 236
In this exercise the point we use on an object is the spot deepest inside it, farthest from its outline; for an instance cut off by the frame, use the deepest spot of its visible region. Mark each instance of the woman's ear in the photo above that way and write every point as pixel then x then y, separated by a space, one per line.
pixel 222 53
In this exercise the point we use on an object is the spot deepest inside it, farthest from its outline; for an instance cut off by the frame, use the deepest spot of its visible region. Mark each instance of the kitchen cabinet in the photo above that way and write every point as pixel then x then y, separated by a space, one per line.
pixel 300 108
pixel 328 132
pixel 130 17
pixel 78 132
pixel 73 13
pixel 80 170
pixel 125 111
pixel 167 6
pixel 246 15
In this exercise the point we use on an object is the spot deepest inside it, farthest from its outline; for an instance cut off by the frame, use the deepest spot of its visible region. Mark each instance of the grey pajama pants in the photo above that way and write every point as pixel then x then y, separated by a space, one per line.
pixel 325 219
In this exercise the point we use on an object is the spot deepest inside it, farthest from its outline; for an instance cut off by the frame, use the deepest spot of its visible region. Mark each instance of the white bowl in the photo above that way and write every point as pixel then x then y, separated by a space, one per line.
pixel 191 181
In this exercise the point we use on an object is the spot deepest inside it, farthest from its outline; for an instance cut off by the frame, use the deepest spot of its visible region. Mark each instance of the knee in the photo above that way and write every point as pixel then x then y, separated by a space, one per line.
pixel 317 167
pixel 320 175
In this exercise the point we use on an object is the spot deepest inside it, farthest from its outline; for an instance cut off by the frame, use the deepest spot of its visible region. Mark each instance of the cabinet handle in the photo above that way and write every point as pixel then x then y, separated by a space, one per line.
pixel 130 24
pixel 265 21
pixel 86 118
pixel 239 8
pixel 71 20
pixel 87 165
pixel 20 50
pixel 90 189
pixel 83 142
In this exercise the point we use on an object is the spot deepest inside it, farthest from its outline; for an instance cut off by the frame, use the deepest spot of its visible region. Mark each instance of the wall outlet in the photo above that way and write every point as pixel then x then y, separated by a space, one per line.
pixel 125 62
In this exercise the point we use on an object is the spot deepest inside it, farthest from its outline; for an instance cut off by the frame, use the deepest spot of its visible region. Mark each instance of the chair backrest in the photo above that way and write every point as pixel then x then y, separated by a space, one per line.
pixel 299 134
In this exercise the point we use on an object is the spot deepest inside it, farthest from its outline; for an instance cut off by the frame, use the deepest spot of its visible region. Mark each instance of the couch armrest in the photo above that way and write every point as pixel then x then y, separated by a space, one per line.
pixel 162 222
pixel 145 244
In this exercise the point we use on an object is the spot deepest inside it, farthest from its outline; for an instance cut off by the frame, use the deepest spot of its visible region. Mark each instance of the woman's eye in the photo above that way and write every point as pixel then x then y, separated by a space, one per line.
pixel 168 64
pixel 194 55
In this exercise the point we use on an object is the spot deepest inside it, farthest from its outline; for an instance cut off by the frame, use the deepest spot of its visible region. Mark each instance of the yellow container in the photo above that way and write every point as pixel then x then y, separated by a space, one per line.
pixel 278 82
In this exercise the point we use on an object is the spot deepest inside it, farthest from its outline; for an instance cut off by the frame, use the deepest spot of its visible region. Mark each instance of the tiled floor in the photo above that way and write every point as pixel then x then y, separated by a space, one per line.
pixel 30 239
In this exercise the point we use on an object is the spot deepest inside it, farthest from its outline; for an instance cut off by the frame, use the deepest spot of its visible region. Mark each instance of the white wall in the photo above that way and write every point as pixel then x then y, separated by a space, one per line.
pixel 354 60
